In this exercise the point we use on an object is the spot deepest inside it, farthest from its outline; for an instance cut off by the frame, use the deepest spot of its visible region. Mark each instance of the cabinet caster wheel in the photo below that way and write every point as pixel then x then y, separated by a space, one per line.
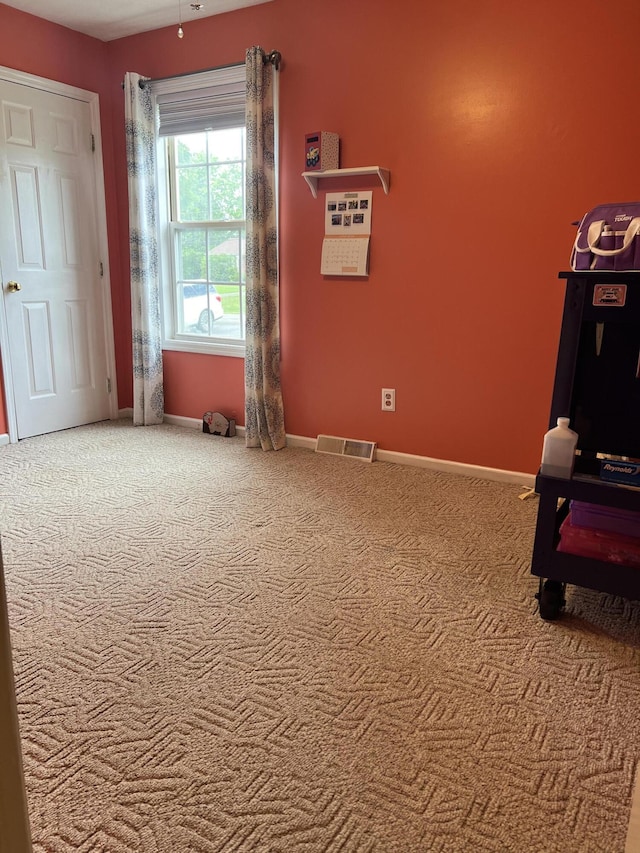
pixel 551 599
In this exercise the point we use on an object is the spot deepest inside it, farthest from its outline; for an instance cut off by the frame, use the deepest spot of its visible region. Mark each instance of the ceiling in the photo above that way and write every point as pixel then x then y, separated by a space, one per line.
pixel 112 19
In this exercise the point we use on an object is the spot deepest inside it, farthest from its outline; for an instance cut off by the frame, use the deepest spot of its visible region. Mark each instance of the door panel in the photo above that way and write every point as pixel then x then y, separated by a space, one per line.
pixel 65 130
pixel 18 121
pixel 27 217
pixel 37 334
pixel 79 331
pixel 67 192
pixel 55 319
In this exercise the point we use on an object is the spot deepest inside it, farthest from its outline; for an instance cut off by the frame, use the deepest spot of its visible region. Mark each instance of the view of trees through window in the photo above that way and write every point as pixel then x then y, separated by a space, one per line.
pixel 208 211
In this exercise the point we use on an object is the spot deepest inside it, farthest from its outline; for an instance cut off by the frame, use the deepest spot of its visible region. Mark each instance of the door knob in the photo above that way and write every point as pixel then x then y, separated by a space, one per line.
pixel 13 286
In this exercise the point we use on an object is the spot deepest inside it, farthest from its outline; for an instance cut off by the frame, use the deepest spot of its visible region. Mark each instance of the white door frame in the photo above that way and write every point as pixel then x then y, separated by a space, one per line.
pixel 91 98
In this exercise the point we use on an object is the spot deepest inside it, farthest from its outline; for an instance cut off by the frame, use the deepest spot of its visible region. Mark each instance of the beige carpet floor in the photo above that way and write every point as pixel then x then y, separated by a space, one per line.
pixel 220 649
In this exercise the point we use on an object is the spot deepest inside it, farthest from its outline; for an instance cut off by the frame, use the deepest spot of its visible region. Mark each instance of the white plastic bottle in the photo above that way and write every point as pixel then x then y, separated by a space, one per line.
pixel 559 451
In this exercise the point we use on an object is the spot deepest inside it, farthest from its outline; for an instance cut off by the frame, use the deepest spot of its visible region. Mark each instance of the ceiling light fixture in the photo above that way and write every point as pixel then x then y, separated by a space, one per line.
pixel 180 30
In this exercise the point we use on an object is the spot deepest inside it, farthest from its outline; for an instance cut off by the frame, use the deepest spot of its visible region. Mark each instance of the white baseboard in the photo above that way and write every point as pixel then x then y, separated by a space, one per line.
pixel 192 423
pixel 4 438
pixel 125 413
pixel 467 470
pixel 498 474
pixel 398 458
pixel 178 420
pixel 301 441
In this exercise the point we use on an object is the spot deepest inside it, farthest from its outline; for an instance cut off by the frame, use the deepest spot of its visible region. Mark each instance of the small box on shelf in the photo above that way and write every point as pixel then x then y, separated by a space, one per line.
pixel 322 151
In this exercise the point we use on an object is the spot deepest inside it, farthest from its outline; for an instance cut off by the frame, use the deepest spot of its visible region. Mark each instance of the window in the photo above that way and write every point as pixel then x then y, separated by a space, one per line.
pixel 202 167
pixel 207 233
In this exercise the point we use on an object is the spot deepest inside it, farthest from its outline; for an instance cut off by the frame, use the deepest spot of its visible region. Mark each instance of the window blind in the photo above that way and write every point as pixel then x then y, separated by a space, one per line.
pixel 209 100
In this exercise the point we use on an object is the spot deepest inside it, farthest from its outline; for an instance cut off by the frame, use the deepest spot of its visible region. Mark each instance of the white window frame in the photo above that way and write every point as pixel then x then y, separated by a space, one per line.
pixel 172 339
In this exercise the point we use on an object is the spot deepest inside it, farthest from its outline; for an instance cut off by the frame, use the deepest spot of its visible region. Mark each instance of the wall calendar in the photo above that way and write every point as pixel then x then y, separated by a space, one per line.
pixel 347 228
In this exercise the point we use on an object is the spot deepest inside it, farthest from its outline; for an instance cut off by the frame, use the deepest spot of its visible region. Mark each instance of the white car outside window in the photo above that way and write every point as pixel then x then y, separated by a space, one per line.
pixel 202 306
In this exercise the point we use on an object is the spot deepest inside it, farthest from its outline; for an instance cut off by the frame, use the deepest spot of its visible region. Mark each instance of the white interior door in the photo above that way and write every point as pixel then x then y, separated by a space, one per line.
pixel 54 305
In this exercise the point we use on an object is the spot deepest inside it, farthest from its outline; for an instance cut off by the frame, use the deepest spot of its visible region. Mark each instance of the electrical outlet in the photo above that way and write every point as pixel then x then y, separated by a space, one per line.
pixel 388 399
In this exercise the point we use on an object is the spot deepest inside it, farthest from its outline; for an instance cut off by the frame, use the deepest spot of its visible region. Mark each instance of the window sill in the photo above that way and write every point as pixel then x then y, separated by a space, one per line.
pixel 233 350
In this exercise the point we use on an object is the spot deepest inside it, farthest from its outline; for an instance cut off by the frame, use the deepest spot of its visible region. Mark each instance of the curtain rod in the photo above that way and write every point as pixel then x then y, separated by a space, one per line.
pixel 274 57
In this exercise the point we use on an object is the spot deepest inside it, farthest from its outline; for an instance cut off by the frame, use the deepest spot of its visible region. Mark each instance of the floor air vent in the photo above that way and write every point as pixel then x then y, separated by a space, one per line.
pixel 364 450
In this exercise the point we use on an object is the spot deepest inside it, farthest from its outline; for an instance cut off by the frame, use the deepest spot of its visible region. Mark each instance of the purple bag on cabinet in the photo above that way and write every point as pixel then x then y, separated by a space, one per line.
pixel 608 238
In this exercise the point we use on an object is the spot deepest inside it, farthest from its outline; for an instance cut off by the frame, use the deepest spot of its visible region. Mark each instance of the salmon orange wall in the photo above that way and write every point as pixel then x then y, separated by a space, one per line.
pixel 497 137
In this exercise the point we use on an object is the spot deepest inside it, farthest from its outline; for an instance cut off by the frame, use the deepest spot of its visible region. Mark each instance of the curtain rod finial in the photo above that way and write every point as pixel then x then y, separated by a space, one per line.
pixel 274 58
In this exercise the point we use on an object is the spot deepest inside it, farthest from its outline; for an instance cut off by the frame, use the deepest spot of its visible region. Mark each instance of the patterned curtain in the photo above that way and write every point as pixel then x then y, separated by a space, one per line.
pixel 148 391
pixel 264 410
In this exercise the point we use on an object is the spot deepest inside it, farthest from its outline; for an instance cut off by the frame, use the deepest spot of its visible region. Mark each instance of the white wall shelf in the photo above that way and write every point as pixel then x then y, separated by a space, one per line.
pixel 312 177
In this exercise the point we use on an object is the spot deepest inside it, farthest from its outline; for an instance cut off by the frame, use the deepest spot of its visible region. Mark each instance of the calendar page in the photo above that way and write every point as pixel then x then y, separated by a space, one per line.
pixel 345 256
pixel 347 226
pixel 347 214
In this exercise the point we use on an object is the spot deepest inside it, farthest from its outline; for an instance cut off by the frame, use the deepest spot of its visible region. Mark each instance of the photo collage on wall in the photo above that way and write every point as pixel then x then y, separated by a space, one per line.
pixel 348 213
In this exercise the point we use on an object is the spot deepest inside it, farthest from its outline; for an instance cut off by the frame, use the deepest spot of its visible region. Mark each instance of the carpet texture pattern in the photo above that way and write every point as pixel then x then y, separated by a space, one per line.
pixel 220 649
